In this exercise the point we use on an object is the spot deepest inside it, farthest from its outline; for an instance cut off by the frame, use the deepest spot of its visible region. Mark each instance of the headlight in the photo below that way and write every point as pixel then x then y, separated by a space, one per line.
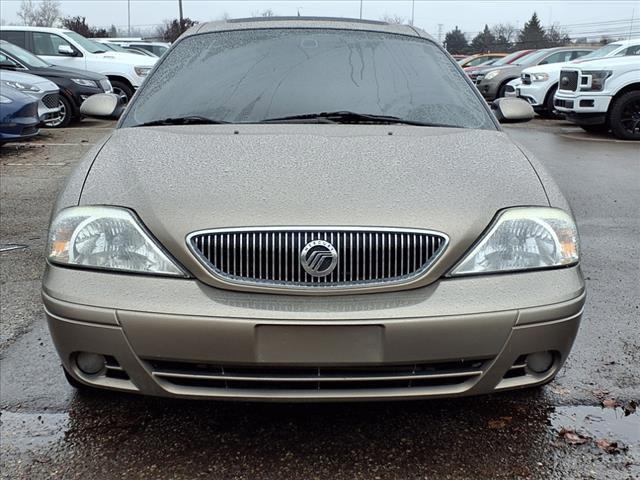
pixel 491 74
pixel 539 77
pixel 142 71
pixel 84 82
pixel 597 77
pixel 23 87
pixel 107 238
pixel 524 238
pixel 4 99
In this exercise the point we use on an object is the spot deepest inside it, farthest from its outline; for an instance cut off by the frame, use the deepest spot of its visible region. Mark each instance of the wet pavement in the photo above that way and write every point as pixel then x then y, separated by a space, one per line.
pixel 560 431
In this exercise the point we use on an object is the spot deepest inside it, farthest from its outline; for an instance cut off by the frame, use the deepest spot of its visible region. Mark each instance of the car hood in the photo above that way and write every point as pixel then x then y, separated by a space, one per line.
pixel 180 179
pixel 42 83
pixel 128 58
pixel 65 72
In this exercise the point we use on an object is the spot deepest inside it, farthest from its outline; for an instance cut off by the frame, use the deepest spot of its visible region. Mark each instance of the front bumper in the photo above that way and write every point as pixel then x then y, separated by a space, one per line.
pixel 582 103
pixel 488 88
pixel 180 338
pixel 535 93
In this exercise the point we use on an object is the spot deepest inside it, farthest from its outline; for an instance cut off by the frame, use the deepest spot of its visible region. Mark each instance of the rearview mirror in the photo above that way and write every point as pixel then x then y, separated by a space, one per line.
pixel 66 50
pixel 102 105
pixel 512 110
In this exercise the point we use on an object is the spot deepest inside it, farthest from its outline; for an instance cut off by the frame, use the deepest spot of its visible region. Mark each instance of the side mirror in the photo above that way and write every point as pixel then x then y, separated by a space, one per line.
pixel 512 110
pixel 102 105
pixel 66 50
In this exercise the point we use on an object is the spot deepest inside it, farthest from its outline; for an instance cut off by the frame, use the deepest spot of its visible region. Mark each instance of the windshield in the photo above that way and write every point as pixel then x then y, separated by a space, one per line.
pixel 532 58
pixel 89 45
pixel 601 52
pixel 25 57
pixel 253 75
pixel 506 60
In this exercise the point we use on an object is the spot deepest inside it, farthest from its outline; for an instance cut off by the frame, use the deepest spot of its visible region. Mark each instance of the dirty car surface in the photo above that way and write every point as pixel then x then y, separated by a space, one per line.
pixel 334 214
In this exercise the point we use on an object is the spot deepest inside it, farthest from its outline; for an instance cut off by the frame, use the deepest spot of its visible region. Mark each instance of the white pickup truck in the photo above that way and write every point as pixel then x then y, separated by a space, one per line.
pixel 538 84
pixel 69 49
pixel 602 95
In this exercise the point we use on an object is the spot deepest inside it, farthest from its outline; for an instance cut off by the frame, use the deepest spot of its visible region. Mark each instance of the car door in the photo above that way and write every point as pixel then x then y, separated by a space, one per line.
pixel 47 45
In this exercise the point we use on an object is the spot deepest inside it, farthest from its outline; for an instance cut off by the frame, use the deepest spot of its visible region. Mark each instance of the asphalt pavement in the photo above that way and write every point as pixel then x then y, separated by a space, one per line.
pixel 575 427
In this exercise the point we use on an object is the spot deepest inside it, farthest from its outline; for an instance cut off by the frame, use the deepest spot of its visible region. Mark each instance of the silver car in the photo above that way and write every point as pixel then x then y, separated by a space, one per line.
pixel 43 90
pixel 309 209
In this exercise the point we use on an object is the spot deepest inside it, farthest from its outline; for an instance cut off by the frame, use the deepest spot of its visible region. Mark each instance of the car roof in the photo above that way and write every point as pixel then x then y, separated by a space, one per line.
pixel 306 22
pixel 34 29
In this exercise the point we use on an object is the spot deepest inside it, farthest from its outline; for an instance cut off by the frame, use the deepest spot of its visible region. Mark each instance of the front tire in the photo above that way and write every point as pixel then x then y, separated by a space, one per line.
pixel 123 90
pixel 624 116
pixel 66 114
pixel 549 108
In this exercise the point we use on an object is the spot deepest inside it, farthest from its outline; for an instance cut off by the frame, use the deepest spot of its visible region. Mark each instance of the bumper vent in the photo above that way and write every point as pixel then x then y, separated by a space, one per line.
pixel 341 258
pixel 51 100
pixel 264 377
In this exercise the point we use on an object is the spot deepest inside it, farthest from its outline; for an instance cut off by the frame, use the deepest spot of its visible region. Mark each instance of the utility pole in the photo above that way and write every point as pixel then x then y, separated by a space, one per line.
pixel 360 9
pixel 413 10
pixel 129 16
pixel 440 32
pixel 180 8
pixel 633 14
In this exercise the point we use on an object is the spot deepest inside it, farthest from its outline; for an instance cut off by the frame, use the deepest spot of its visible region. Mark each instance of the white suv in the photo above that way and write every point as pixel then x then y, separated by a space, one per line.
pixel 70 49
pixel 602 94
pixel 538 84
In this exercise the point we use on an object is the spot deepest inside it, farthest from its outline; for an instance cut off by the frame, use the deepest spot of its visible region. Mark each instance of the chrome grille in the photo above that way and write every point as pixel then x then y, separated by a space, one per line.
pixel 51 100
pixel 526 79
pixel 272 256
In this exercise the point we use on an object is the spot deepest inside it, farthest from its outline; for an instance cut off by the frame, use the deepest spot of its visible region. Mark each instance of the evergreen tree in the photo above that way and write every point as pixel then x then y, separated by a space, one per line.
pixel 532 34
pixel 455 42
pixel 483 42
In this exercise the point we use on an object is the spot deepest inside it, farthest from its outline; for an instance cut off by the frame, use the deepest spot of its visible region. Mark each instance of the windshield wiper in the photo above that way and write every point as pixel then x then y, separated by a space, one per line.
pixel 189 120
pixel 354 117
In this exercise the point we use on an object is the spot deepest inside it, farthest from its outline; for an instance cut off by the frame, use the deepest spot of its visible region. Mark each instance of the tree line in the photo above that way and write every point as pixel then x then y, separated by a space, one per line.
pixel 504 37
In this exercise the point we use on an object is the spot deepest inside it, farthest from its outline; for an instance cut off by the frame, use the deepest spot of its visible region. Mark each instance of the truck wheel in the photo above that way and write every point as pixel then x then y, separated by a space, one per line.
pixel 123 90
pixel 549 108
pixel 624 116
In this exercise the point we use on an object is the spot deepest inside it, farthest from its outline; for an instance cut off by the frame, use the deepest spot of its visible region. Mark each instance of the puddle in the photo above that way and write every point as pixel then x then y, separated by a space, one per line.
pixel 29 431
pixel 598 423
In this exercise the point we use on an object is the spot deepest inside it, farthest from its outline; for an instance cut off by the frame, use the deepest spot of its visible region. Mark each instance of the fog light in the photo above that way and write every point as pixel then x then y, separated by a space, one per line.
pixel 90 363
pixel 539 362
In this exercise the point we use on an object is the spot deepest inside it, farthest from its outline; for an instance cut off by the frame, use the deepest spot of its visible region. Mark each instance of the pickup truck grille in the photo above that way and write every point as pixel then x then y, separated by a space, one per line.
pixel 568 80
pixel 526 79
pixel 343 258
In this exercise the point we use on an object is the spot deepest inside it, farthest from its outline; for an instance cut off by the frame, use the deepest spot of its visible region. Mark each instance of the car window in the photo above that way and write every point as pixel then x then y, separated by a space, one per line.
pixel 7 61
pixel 88 45
pixel 47 43
pixel 24 56
pixel 17 38
pixel 557 57
pixel 477 61
pixel 579 53
pixel 633 50
pixel 253 75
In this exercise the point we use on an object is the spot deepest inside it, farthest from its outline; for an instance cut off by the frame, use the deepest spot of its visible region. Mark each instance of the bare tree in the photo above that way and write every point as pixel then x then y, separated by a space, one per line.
pixel 507 31
pixel 397 19
pixel 27 12
pixel 224 16
pixel 45 14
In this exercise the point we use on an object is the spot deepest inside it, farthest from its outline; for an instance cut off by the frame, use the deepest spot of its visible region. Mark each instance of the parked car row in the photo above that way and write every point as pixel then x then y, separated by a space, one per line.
pixel 59 69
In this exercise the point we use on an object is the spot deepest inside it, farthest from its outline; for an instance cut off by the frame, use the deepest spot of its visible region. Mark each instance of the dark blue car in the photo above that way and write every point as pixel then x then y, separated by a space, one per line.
pixel 18 115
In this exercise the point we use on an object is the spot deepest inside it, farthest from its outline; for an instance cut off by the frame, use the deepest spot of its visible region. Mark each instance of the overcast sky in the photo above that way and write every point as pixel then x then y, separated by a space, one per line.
pixel 580 17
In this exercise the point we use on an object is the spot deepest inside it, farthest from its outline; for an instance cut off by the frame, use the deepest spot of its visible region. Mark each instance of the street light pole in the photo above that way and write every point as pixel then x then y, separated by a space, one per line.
pixel 129 16
pixel 360 9
pixel 413 9
pixel 180 7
